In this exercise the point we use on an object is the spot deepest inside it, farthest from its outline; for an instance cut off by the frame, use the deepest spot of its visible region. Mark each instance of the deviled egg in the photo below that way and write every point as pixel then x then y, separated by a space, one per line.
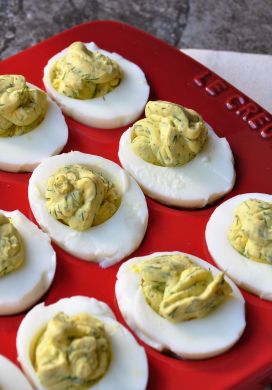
pixel 27 262
pixel 95 87
pixel 177 302
pixel 89 206
pixel 176 158
pixel 11 377
pixel 239 238
pixel 77 343
pixel 32 126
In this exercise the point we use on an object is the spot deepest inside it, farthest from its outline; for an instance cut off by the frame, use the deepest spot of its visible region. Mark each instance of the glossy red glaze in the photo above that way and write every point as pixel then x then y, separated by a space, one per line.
pixel 172 76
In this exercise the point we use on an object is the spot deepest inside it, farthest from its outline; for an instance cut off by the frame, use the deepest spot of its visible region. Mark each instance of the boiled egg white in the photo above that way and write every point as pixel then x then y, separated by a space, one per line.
pixel 128 368
pixel 108 242
pixel 207 177
pixel 11 377
pixel 24 152
pixel 117 108
pixel 251 275
pixel 195 339
pixel 21 288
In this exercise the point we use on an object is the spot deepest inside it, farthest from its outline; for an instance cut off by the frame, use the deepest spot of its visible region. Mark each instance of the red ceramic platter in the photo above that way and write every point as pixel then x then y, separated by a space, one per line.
pixel 248 128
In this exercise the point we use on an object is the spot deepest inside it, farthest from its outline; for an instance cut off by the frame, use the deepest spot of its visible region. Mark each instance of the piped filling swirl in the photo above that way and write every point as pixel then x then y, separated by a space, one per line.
pixel 80 198
pixel 179 290
pixel 169 136
pixel 22 108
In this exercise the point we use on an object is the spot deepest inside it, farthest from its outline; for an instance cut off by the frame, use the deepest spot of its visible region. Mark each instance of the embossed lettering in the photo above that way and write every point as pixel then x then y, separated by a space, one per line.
pixel 266 132
pixel 216 87
pixel 235 101
pixel 201 79
pixel 247 110
pixel 254 116
pixel 259 120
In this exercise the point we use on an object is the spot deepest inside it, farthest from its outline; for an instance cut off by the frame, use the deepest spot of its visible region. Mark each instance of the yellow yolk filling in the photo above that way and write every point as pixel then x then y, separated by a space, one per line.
pixel 80 197
pixel 169 136
pixel 22 108
pixel 251 231
pixel 179 290
pixel 12 252
pixel 83 74
pixel 72 353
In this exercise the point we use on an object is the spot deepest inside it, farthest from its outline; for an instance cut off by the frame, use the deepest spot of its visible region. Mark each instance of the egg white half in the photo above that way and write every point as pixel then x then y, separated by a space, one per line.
pixel 201 181
pixel 109 242
pixel 24 152
pixel 128 368
pixel 251 275
pixel 117 108
pixel 11 377
pixel 23 287
pixel 196 339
